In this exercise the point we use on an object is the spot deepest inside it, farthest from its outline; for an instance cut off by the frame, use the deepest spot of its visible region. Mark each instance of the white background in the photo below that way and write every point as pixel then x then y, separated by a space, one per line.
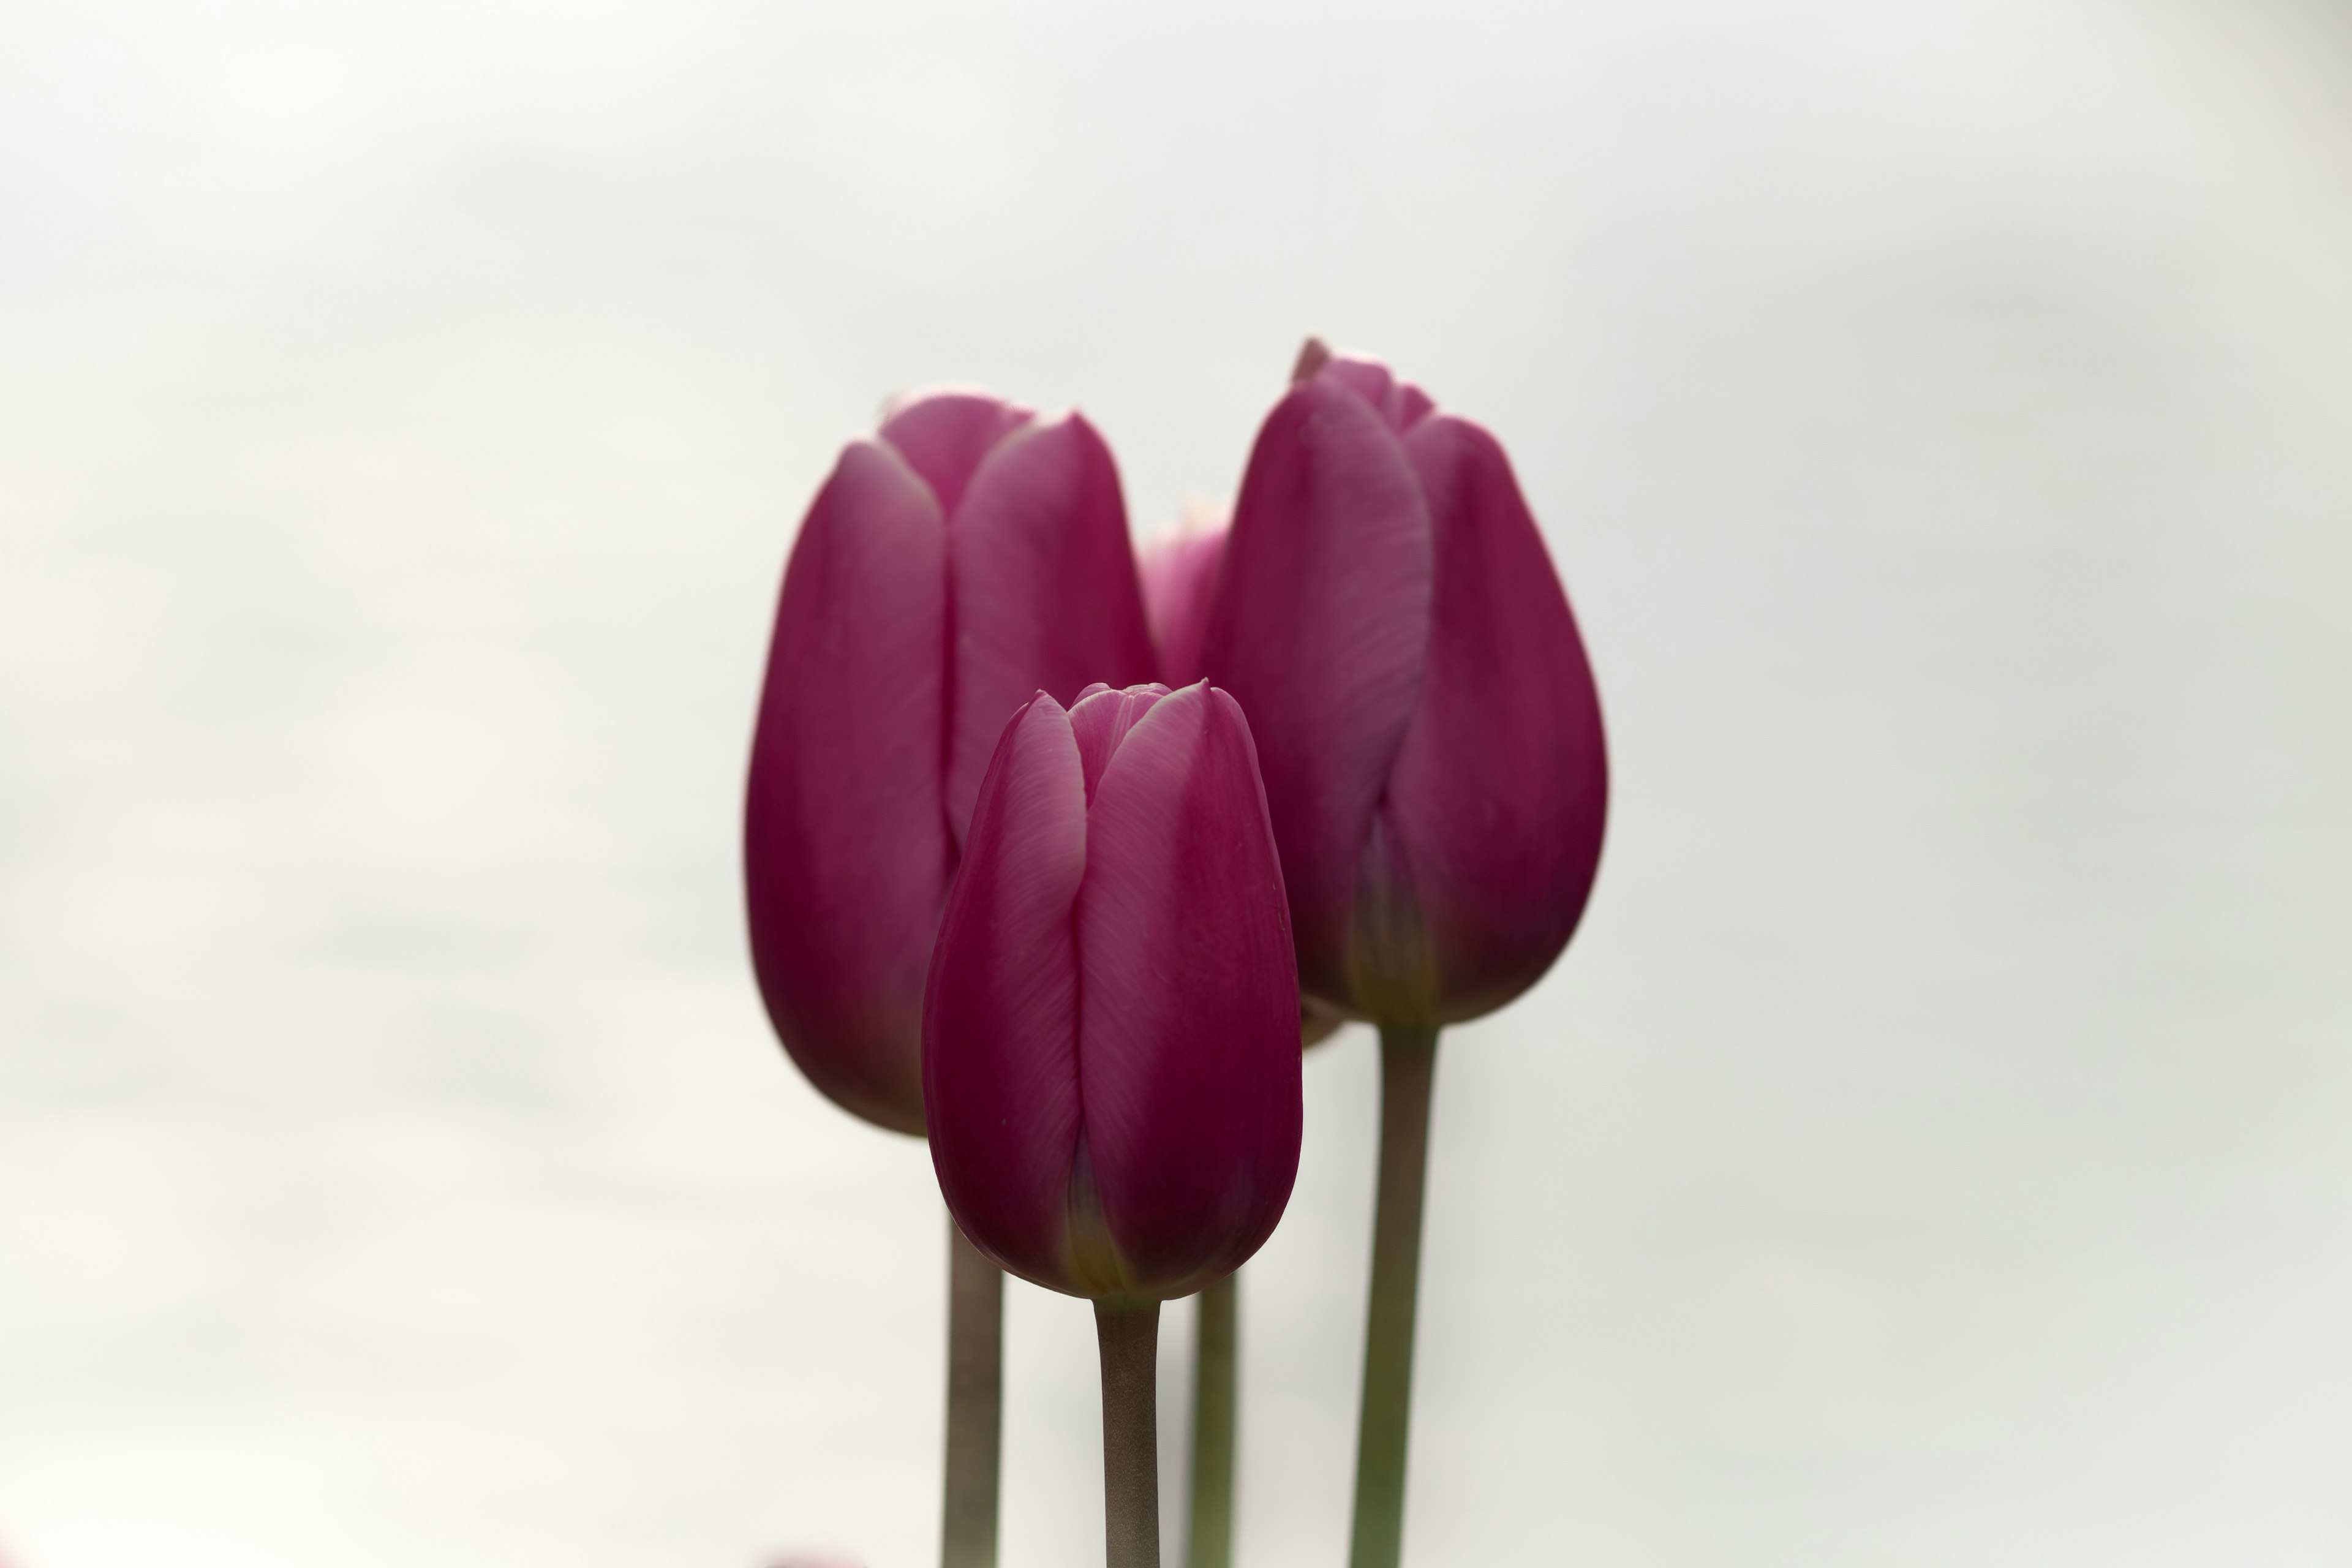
pixel 1935 1150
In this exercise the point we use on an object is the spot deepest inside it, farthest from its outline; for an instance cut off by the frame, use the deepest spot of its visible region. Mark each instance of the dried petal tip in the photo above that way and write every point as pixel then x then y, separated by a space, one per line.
pixel 1313 355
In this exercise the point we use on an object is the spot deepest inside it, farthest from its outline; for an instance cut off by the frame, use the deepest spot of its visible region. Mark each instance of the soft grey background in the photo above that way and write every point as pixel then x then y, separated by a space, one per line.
pixel 1937 1147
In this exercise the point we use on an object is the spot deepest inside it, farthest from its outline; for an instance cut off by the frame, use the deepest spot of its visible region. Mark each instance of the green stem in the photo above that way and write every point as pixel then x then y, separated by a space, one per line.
pixel 975 1404
pixel 1408 1063
pixel 1209 1542
pixel 1128 1333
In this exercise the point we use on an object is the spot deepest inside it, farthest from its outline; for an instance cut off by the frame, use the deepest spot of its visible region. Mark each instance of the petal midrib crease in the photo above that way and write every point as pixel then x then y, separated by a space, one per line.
pixel 1093 1250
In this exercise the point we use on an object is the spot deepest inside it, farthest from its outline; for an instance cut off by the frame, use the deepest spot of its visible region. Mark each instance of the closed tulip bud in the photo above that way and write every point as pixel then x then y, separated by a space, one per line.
pixel 1428 729
pixel 968 555
pixel 1110 1037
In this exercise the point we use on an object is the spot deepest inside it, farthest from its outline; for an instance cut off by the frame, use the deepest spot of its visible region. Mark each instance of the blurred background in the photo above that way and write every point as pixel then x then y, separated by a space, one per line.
pixel 1935 1150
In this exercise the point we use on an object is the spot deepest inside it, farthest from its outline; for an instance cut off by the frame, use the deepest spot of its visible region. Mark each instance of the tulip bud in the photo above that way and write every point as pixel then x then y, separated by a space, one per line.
pixel 1428 732
pixel 1111 1034
pixel 968 555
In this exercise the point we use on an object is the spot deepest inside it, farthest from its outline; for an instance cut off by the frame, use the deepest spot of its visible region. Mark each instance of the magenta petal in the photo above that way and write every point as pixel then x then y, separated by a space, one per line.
pixel 1044 595
pixel 1320 625
pixel 1180 588
pixel 1101 720
pixel 1401 402
pixel 1498 801
pixel 1000 1025
pixel 1188 1021
pixel 845 849
pixel 1367 378
pixel 1409 406
pixel 944 436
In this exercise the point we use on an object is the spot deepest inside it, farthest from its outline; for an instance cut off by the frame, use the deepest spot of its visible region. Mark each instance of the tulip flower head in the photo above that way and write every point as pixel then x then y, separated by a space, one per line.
pixel 1428 729
pixel 1111 1034
pixel 968 554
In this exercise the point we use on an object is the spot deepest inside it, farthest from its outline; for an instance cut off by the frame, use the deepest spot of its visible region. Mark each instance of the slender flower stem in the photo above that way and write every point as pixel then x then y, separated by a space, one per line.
pixel 1209 1540
pixel 975 1404
pixel 1128 1333
pixel 1408 1063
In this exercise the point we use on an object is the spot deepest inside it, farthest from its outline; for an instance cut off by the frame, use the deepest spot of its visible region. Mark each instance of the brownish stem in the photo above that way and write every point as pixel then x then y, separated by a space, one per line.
pixel 975 1404
pixel 1408 1066
pixel 1128 1333
pixel 1208 1535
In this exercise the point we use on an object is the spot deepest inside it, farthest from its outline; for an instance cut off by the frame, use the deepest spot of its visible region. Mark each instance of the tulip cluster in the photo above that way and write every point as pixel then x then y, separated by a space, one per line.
pixel 1010 889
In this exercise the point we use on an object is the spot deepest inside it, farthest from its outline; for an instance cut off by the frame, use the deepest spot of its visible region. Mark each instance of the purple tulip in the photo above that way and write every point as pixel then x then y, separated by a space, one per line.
pixel 1431 738
pixel 969 555
pixel 1110 1037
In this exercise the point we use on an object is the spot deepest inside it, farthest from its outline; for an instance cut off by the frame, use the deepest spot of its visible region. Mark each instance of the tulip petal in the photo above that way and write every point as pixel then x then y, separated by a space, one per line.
pixel 1401 402
pixel 944 435
pixel 1179 589
pixel 1496 805
pixel 1367 378
pixel 1042 590
pixel 1101 720
pixel 845 849
pixel 1408 407
pixel 1188 1015
pixel 1000 1025
pixel 1391 967
pixel 1320 631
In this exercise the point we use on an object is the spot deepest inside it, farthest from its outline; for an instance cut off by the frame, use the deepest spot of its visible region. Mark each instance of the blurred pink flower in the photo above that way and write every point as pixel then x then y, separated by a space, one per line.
pixel 1179 585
